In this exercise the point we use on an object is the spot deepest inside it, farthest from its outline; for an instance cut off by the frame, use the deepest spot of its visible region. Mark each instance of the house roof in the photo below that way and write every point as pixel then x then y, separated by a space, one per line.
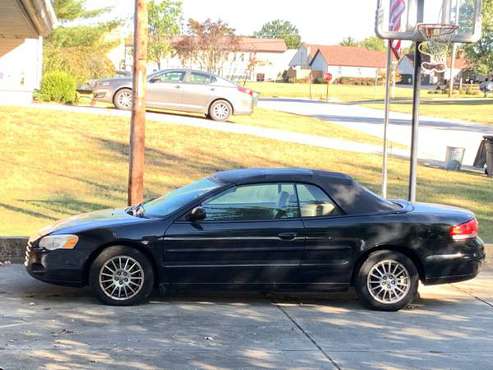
pixel 337 55
pixel 246 44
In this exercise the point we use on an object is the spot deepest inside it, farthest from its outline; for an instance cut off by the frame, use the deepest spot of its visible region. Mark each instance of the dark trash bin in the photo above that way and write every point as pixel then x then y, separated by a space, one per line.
pixel 485 155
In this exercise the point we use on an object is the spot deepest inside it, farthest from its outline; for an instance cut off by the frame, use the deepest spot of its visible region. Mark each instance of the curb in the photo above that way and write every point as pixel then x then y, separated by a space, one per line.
pixel 13 249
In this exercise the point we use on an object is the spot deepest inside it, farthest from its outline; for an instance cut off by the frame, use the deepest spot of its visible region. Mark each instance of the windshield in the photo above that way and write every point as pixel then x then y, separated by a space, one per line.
pixel 176 199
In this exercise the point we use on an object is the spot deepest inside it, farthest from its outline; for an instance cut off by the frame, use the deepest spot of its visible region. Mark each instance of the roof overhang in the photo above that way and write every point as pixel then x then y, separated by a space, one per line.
pixel 20 19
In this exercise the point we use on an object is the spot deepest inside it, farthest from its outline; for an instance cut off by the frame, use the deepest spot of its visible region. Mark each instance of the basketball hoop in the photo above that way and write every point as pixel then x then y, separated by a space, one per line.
pixel 438 39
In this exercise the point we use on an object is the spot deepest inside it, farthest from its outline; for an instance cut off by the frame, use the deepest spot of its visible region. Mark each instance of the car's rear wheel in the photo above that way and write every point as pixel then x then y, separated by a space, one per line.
pixel 220 110
pixel 387 281
pixel 121 276
pixel 123 99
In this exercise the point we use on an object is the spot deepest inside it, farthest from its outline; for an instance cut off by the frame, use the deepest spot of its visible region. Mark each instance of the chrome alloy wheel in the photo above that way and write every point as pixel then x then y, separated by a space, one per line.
pixel 125 99
pixel 221 111
pixel 121 278
pixel 388 281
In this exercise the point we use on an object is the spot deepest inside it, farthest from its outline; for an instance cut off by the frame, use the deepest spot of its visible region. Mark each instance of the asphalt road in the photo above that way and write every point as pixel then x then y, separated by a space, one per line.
pixel 435 134
pixel 44 326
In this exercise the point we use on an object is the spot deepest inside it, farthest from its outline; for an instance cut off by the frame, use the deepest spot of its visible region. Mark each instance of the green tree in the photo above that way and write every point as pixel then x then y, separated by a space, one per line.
pixel 373 43
pixel 79 49
pixel 71 10
pixel 481 53
pixel 280 29
pixel 164 23
pixel 348 41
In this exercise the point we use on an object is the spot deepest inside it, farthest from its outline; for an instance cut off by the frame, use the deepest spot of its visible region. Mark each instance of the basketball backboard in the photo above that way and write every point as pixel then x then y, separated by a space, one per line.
pixel 398 19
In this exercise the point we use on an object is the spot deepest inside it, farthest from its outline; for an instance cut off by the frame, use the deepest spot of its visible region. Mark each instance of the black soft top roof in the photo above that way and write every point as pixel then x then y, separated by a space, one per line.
pixel 352 197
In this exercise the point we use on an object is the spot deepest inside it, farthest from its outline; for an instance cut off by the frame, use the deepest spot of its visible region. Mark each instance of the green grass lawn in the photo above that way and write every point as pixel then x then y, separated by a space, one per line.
pixel 461 107
pixel 56 164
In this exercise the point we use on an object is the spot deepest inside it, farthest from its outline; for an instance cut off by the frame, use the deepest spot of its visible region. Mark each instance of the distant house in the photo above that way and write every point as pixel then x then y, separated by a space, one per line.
pixel 254 59
pixel 405 68
pixel 22 25
pixel 347 61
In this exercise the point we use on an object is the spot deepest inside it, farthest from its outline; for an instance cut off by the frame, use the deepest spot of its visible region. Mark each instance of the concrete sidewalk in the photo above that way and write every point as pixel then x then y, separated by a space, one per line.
pixel 194 121
pixel 44 326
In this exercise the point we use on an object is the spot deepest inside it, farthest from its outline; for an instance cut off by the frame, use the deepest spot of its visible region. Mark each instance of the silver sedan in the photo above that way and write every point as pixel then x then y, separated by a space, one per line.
pixel 182 90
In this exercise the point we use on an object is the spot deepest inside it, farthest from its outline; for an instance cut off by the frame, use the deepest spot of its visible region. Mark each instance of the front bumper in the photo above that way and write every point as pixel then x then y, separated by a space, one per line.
pixel 461 263
pixel 103 95
pixel 54 267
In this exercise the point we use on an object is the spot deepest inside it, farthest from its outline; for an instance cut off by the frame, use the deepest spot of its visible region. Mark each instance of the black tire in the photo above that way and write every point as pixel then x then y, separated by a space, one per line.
pixel 220 110
pixel 142 276
pixel 378 260
pixel 120 100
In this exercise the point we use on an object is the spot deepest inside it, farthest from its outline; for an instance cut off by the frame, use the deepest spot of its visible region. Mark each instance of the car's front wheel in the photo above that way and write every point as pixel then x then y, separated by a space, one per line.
pixel 387 281
pixel 123 99
pixel 121 276
pixel 220 110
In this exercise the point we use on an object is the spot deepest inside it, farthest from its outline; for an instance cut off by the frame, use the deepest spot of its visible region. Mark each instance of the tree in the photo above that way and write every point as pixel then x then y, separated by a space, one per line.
pixel 71 10
pixel 208 44
pixel 280 29
pixel 373 43
pixel 348 41
pixel 481 53
pixel 80 49
pixel 164 23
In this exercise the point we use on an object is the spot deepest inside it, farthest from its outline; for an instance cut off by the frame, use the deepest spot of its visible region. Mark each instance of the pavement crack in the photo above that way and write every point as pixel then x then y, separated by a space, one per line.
pixel 473 295
pixel 308 336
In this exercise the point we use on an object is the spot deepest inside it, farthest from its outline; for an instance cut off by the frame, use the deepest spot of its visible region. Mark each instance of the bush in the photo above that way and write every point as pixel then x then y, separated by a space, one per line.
pixel 58 86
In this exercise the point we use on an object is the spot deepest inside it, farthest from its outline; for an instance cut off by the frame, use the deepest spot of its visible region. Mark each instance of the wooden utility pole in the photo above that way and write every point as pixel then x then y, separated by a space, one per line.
pixel 137 123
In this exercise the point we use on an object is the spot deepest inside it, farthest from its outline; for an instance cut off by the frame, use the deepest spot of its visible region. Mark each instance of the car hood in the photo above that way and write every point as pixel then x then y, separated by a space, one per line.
pixel 115 80
pixel 91 220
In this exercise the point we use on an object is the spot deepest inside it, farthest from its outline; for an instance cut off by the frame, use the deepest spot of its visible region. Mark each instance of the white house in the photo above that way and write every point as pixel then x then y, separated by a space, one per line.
pixel 348 61
pixel 22 25
pixel 253 59
pixel 406 70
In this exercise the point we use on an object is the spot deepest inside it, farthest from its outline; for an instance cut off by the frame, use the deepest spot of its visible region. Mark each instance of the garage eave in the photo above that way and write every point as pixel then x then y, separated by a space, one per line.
pixel 41 13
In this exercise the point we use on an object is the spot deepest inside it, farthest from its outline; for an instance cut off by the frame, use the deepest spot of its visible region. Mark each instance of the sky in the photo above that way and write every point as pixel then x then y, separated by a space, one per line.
pixel 319 21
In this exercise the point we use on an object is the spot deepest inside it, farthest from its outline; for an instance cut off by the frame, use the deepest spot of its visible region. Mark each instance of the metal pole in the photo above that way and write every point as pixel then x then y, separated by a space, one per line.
pixel 386 119
pixel 137 123
pixel 451 75
pixel 415 123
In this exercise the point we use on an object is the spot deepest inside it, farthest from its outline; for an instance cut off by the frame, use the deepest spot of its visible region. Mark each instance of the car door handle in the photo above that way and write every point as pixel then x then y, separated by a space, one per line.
pixel 287 236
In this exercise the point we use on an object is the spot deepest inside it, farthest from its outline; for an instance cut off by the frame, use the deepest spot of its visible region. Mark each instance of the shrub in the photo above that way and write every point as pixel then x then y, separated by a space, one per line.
pixel 58 86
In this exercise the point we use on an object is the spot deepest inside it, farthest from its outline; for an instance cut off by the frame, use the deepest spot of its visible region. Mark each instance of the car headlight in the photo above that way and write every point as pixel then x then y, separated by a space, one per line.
pixel 52 242
pixel 103 84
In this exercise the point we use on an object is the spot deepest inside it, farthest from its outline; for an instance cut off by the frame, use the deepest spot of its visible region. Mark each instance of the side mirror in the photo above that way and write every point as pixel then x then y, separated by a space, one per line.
pixel 197 214
pixel 153 80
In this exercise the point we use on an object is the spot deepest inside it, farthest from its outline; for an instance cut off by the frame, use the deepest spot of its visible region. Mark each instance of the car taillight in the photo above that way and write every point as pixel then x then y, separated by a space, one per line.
pixel 245 90
pixel 466 230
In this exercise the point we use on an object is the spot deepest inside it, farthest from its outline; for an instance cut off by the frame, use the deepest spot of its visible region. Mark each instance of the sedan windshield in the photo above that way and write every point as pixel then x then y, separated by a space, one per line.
pixel 169 203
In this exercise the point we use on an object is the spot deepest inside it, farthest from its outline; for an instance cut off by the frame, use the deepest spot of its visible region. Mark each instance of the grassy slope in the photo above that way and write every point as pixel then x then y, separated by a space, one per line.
pixel 463 107
pixel 56 164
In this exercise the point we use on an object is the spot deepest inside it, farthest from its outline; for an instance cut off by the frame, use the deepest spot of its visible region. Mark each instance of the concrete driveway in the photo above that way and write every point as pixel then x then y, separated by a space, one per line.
pixel 435 133
pixel 44 326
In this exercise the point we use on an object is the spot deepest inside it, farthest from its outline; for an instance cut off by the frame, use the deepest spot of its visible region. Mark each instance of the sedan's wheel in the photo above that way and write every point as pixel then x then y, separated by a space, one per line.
pixel 121 276
pixel 387 281
pixel 123 99
pixel 220 110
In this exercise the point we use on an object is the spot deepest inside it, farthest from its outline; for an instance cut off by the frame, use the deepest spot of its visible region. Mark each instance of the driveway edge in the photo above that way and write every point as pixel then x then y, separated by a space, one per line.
pixel 12 249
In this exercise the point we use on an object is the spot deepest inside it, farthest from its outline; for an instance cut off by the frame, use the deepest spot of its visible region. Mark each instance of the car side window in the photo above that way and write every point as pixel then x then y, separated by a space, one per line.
pixel 171 76
pixel 314 202
pixel 199 78
pixel 253 203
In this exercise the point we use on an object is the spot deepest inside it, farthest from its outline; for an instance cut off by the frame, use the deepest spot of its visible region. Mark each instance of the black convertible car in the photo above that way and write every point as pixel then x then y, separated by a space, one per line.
pixel 292 229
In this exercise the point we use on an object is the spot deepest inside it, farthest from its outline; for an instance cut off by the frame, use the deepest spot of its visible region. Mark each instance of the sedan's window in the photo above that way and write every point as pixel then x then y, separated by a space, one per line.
pixel 253 202
pixel 199 78
pixel 171 76
pixel 174 200
pixel 314 202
